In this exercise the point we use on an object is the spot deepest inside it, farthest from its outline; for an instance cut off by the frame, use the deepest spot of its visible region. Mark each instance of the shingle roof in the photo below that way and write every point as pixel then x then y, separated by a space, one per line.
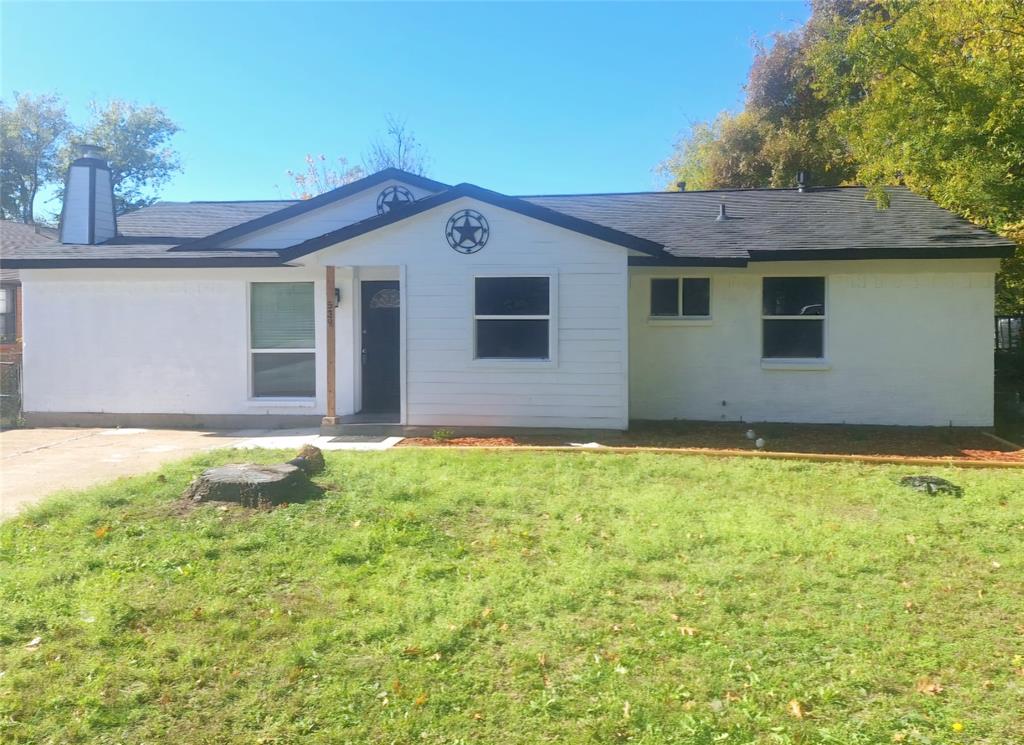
pixel 762 225
pixel 189 220
pixel 134 251
pixel 19 236
pixel 775 223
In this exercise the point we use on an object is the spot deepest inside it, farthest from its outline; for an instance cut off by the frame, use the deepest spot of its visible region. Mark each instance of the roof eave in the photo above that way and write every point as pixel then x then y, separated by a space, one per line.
pixel 990 251
pixel 182 262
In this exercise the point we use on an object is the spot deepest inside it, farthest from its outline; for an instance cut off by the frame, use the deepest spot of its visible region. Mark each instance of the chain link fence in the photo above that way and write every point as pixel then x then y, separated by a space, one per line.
pixel 10 393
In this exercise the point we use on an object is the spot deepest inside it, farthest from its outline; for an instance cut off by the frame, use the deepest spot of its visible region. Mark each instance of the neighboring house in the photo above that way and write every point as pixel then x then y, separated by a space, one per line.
pixel 404 300
pixel 15 236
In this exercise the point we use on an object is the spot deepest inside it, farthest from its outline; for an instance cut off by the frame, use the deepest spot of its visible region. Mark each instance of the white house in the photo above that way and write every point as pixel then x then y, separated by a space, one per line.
pixel 401 300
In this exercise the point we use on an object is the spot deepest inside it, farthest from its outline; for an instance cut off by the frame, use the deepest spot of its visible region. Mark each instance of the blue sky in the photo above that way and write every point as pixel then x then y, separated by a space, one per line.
pixel 523 98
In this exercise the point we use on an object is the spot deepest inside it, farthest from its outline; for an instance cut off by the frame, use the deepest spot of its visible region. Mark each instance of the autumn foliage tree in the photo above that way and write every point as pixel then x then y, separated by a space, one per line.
pixel 925 93
pixel 397 147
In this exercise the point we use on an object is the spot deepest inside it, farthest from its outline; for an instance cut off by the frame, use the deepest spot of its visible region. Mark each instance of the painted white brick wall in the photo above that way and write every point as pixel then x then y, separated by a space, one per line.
pixel 908 342
pixel 148 341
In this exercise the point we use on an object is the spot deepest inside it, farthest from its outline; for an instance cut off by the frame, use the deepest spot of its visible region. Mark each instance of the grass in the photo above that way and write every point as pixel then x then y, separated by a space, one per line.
pixel 475 597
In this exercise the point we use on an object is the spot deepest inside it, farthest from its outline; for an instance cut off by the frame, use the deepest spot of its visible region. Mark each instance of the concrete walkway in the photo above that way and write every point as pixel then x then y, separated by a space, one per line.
pixel 35 463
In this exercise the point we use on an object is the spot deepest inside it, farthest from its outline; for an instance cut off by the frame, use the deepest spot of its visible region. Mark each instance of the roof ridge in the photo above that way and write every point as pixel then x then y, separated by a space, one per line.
pixel 235 201
pixel 699 191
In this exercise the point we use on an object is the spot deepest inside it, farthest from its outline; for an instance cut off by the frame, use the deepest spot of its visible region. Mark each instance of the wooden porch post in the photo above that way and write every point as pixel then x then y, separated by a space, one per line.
pixel 331 418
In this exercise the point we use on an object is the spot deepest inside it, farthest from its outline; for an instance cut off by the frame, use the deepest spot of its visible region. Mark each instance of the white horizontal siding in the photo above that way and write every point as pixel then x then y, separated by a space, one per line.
pixel 584 386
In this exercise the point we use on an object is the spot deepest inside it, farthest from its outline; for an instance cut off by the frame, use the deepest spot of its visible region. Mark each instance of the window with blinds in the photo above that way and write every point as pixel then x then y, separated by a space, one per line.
pixel 282 344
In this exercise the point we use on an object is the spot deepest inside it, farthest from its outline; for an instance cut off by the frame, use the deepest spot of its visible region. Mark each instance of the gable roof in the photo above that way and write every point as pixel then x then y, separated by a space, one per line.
pixel 514 204
pixel 307 205
pixel 672 228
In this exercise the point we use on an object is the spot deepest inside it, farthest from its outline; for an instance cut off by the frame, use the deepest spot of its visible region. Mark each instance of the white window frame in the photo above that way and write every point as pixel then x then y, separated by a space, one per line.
pixel 552 318
pixel 680 320
pixel 797 363
pixel 250 368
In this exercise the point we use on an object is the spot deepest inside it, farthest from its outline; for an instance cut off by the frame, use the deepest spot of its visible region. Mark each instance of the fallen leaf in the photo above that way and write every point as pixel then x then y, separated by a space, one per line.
pixel 34 643
pixel 911 540
pixel 486 612
pixel 542 659
pixel 928 686
pixel 688 631
pixel 477 716
pixel 396 686
pixel 795 709
pixel 436 656
pixel 102 531
pixel 421 699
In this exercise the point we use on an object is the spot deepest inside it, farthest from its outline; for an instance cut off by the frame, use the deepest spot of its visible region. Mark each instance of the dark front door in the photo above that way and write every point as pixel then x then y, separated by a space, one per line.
pixel 380 346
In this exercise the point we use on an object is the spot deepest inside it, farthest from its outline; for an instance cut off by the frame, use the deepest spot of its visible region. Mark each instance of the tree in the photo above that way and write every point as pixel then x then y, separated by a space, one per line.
pixel 880 92
pixel 930 95
pixel 319 177
pixel 38 143
pixel 783 128
pixel 398 148
pixel 136 142
pixel 32 133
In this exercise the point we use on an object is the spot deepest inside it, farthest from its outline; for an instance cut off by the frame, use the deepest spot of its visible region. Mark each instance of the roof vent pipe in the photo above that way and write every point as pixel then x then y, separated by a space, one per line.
pixel 722 217
pixel 801 181
pixel 681 185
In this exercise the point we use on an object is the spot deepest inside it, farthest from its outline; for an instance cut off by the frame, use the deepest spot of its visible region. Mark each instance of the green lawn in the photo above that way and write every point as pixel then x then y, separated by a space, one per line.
pixel 474 597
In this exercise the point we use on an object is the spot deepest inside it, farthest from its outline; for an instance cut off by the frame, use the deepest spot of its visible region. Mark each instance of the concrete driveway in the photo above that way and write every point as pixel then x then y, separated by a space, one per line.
pixel 37 462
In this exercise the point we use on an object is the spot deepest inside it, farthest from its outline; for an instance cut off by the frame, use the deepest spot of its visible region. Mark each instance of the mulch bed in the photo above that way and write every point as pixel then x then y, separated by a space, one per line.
pixel 828 439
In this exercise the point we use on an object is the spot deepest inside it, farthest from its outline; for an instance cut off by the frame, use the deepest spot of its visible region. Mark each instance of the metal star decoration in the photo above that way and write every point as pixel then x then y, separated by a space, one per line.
pixel 393 197
pixel 467 231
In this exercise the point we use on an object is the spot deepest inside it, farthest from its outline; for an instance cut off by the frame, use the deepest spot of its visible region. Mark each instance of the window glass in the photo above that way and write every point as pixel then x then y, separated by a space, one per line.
pixel 519 339
pixel 793 296
pixel 288 375
pixel 281 319
pixel 7 310
pixel 697 297
pixel 282 315
pixel 794 338
pixel 664 297
pixel 512 296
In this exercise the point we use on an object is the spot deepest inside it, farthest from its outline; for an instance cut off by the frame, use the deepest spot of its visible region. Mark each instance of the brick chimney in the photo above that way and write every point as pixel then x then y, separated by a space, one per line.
pixel 88 213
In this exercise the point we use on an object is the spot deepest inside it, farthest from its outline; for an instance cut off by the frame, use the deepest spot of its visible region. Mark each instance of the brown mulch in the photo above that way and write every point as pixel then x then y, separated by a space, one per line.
pixel 826 439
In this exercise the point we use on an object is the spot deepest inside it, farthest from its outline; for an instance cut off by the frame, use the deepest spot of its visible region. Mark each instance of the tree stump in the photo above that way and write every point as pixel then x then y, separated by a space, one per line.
pixel 251 485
